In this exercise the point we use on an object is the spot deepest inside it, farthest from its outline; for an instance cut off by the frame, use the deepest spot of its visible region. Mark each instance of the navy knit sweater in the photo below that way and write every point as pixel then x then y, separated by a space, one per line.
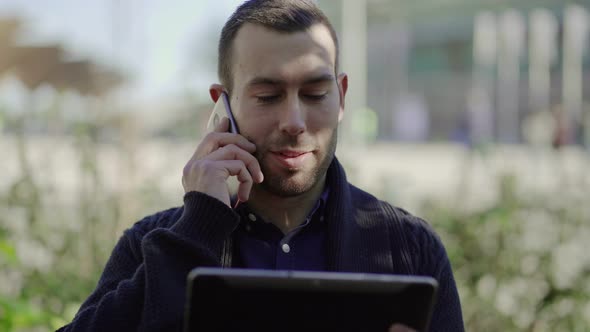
pixel 143 284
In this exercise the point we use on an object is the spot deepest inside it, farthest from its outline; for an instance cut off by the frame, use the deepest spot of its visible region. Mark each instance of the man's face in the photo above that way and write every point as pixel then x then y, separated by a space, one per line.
pixel 288 101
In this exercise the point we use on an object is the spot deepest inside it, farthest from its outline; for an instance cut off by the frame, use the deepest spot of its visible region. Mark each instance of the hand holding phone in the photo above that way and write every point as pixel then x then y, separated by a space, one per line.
pixel 222 108
pixel 222 155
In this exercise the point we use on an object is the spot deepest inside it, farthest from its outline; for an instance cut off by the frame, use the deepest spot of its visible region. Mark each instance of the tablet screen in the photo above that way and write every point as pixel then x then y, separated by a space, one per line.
pixel 264 300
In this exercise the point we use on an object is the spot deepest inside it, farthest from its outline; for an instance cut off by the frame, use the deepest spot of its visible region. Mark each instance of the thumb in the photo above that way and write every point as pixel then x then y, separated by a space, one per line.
pixel 400 328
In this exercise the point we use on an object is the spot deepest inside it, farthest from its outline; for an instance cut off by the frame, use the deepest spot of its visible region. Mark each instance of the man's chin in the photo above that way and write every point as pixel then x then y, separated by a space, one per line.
pixel 288 182
pixel 295 184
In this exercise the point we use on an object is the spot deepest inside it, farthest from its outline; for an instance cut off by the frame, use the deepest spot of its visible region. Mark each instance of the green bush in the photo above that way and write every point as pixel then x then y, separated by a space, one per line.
pixel 521 265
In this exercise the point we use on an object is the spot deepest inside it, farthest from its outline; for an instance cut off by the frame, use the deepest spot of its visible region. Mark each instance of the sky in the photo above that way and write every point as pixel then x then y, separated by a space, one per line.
pixel 162 44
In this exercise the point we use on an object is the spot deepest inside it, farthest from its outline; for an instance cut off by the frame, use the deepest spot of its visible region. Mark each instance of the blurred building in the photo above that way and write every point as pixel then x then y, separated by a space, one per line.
pixel 46 66
pixel 480 68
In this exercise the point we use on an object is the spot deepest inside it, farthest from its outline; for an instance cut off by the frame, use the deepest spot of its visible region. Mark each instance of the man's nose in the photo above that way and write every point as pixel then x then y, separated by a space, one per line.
pixel 293 117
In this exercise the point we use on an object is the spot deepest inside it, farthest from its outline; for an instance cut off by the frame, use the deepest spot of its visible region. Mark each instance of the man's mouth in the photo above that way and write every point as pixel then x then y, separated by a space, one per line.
pixel 292 159
pixel 291 154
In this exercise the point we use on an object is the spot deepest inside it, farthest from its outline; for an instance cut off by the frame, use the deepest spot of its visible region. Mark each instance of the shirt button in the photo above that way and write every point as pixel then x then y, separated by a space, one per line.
pixel 252 217
pixel 286 248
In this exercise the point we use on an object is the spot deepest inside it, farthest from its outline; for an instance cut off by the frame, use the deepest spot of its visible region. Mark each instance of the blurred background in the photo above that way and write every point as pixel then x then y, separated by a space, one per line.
pixel 470 113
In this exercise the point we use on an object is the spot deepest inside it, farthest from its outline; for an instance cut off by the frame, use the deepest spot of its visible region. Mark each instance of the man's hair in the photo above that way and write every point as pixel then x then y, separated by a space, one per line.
pixel 285 16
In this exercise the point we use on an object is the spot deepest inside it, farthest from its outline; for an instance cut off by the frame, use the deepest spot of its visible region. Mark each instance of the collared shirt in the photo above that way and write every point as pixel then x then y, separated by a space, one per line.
pixel 262 245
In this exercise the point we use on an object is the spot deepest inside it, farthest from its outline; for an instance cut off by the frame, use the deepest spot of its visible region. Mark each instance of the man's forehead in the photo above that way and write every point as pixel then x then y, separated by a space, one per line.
pixel 262 52
pixel 316 29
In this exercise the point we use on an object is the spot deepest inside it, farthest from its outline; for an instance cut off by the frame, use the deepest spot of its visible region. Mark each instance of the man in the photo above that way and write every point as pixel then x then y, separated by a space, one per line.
pixel 278 62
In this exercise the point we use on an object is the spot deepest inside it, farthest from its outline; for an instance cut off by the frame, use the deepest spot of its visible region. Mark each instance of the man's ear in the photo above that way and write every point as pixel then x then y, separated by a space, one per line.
pixel 215 91
pixel 342 88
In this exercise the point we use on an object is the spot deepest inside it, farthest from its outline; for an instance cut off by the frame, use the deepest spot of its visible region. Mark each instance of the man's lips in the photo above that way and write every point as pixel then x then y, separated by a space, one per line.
pixel 292 159
pixel 291 154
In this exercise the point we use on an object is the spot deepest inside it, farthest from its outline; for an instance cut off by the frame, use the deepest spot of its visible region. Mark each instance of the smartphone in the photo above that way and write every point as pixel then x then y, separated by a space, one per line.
pixel 222 109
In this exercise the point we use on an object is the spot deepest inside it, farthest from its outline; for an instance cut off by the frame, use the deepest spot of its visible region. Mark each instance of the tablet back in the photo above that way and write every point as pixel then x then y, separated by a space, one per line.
pixel 266 300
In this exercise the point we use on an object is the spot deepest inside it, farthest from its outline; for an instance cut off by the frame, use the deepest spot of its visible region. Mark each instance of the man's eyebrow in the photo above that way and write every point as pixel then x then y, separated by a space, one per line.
pixel 271 81
pixel 264 81
pixel 320 79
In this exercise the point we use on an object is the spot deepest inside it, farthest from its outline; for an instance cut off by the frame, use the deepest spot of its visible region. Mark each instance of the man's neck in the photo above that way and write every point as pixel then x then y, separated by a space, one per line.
pixel 285 212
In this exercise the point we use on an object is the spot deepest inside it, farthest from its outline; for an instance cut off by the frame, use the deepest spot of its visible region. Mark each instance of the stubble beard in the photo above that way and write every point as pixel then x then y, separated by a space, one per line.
pixel 293 183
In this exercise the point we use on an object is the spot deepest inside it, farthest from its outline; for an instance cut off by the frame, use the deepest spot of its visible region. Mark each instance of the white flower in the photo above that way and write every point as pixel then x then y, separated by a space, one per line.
pixel 541 232
pixel 569 260
pixel 486 286
pixel 33 255
pixel 11 282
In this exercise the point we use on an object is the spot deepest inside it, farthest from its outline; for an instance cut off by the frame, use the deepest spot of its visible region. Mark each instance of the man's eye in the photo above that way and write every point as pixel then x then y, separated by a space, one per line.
pixel 316 97
pixel 267 99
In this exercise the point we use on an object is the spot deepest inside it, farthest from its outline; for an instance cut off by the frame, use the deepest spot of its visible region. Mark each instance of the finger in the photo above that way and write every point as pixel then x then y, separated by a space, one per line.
pixel 223 139
pixel 244 189
pixel 222 126
pixel 238 168
pixel 216 140
pixel 233 152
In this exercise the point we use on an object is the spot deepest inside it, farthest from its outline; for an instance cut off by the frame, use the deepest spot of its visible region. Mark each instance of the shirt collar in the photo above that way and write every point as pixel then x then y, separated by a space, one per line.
pixel 318 210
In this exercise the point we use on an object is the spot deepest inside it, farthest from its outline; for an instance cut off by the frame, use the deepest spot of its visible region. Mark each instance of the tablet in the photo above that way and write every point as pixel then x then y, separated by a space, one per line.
pixel 268 300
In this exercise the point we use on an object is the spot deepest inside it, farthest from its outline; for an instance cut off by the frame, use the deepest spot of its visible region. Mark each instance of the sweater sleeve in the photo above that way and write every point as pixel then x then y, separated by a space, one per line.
pixel 432 260
pixel 144 281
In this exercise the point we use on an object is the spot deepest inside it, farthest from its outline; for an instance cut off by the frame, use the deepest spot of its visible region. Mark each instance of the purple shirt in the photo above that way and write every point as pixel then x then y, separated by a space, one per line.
pixel 262 245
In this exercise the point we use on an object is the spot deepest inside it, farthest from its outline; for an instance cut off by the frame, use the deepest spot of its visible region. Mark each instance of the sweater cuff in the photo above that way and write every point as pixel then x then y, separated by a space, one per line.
pixel 206 220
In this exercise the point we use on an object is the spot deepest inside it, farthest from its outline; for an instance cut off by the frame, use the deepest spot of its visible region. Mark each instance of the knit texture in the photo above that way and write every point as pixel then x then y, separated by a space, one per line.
pixel 143 284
